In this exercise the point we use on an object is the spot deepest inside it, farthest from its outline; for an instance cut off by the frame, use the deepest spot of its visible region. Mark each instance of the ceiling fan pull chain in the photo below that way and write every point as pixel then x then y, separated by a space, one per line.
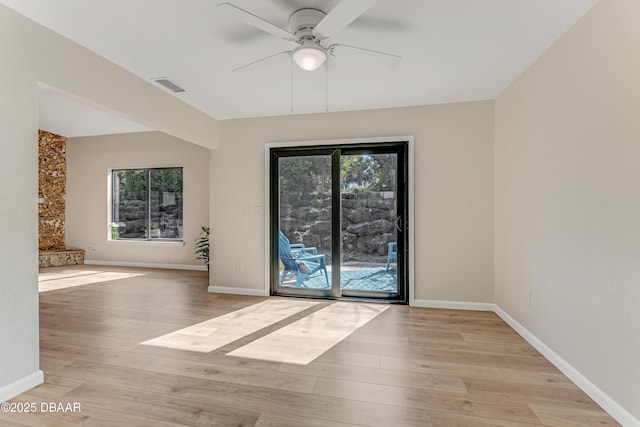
pixel 291 82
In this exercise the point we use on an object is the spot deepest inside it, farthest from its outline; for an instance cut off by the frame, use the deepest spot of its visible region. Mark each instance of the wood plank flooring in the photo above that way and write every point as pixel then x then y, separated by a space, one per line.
pixel 404 367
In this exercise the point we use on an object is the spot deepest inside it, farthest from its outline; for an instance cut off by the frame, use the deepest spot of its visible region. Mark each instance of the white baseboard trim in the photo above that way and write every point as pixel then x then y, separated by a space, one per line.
pixel 20 386
pixel 238 291
pixel 146 265
pixel 599 396
pixel 454 305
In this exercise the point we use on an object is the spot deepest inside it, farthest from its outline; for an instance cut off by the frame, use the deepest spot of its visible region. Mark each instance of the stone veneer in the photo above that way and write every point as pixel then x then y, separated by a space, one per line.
pixel 51 190
pixel 52 185
pixel 60 257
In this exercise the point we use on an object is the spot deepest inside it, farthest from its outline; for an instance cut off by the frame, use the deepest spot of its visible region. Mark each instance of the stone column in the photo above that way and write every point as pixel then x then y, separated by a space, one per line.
pixel 51 190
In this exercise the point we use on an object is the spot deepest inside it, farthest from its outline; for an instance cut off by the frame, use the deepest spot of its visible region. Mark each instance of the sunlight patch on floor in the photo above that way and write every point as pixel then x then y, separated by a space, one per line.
pixel 61 279
pixel 214 333
pixel 306 339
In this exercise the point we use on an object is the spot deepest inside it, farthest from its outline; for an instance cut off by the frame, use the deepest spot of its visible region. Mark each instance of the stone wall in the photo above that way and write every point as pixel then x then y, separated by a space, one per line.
pixel 60 257
pixel 166 219
pixel 51 189
pixel 368 223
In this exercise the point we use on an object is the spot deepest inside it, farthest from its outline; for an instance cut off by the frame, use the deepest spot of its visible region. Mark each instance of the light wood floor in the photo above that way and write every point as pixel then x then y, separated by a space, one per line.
pixel 405 367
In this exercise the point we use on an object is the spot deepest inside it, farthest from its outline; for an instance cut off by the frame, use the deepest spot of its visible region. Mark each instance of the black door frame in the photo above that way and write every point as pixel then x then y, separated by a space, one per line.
pixel 400 146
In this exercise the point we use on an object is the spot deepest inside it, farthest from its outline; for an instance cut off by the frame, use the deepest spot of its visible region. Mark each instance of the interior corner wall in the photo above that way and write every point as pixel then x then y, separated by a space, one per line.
pixel 567 199
pixel 453 192
pixel 88 162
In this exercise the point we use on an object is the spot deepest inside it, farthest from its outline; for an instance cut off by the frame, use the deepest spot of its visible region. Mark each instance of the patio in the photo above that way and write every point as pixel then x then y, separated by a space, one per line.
pixel 355 276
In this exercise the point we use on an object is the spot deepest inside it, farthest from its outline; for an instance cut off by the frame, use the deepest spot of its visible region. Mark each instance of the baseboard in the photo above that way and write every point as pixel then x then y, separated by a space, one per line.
pixel 23 384
pixel 146 265
pixel 453 305
pixel 238 291
pixel 600 397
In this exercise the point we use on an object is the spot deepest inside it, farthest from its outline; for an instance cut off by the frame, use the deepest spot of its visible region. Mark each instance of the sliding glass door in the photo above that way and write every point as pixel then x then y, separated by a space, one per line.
pixel 302 218
pixel 370 223
pixel 338 216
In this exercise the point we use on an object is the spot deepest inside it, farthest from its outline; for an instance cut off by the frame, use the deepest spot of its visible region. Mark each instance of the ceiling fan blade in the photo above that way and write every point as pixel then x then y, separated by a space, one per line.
pixel 288 52
pixel 343 14
pixel 255 21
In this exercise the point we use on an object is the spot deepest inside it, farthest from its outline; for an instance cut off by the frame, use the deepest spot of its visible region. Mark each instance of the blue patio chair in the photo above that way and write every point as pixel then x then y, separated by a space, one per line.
pixel 392 253
pixel 300 265
pixel 299 249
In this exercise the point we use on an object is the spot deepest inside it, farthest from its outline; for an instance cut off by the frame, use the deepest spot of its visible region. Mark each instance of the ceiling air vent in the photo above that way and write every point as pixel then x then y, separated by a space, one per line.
pixel 169 84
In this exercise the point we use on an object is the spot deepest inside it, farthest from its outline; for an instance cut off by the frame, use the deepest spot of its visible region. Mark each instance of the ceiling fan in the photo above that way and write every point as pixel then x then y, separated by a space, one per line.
pixel 309 29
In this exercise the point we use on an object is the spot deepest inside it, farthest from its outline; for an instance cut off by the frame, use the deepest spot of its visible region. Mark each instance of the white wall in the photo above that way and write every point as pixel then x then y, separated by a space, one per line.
pixel 567 184
pixel 453 192
pixel 32 54
pixel 88 162
pixel 19 232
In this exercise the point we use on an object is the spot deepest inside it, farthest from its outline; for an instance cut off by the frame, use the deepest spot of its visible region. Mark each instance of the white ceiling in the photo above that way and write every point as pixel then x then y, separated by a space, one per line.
pixel 452 50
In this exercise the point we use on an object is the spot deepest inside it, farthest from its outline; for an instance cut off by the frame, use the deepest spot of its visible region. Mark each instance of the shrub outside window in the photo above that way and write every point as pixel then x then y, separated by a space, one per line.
pixel 146 204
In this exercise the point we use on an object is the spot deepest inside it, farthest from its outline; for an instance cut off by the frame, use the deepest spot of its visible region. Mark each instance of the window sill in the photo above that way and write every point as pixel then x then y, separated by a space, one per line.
pixel 147 242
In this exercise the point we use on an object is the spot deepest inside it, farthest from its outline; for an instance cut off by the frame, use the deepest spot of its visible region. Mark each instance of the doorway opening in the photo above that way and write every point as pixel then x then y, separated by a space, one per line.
pixel 338 221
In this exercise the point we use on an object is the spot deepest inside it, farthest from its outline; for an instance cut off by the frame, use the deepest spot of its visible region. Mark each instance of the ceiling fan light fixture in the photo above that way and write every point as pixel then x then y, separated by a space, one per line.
pixel 309 56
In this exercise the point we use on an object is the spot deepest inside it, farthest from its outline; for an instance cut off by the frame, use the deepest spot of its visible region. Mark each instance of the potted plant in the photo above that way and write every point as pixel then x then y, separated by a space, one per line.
pixel 114 230
pixel 202 246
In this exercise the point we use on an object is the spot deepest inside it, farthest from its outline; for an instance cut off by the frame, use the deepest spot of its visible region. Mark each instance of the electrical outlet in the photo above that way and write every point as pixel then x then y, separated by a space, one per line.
pixel 239 267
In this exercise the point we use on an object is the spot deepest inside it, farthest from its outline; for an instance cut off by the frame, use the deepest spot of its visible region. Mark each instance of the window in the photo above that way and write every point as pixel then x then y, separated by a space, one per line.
pixel 146 204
